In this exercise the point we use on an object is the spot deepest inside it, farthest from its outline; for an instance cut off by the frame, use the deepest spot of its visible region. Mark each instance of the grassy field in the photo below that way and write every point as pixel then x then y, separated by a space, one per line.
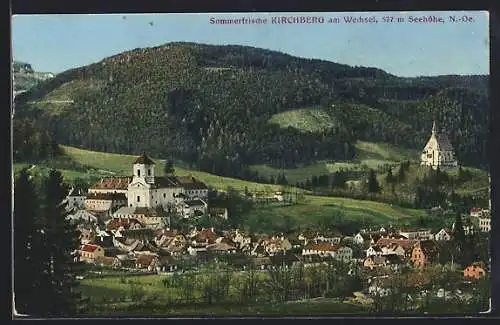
pixel 112 297
pixel 306 119
pixel 314 208
pixel 93 164
pixel 369 155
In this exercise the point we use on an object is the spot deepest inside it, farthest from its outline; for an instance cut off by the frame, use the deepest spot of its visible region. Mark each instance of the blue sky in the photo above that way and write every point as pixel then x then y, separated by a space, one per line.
pixel 55 43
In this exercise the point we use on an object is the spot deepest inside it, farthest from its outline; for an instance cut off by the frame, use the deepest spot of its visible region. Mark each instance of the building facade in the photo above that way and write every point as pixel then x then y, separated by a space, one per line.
pixel 438 152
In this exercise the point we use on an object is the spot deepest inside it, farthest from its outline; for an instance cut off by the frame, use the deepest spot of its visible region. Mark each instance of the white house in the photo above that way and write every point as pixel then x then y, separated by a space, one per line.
pixel 194 207
pixel 420 234
pixel 321 249
pixel 344 254
pixel 81 215
pixel 359 239
pixel 374 251
pixel 76 199
pixel 484 224
pixel 442 235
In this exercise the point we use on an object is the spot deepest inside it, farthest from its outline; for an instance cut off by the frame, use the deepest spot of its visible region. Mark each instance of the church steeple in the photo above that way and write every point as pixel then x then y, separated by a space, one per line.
pixel 434 127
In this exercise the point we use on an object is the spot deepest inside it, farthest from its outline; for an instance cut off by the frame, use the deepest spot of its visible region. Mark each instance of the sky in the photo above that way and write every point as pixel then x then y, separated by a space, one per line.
pixel 55 43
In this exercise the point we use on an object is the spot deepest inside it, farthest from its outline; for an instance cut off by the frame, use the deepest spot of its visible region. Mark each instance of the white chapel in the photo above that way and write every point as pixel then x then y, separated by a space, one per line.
pixel 438 151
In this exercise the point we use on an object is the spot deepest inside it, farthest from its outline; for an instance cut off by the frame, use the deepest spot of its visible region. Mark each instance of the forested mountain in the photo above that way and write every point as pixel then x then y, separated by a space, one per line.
pixel 211 105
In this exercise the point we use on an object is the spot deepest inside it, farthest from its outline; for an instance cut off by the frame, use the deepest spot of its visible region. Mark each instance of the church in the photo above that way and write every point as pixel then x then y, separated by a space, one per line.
pixel 438 151
pixel 146 190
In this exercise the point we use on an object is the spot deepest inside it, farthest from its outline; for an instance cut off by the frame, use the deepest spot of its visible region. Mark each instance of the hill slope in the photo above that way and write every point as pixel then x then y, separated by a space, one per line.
pixel 91 165
pixel 210 106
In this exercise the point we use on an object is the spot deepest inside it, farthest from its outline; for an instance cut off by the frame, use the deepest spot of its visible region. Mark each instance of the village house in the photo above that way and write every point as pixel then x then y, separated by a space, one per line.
pixel 105 201
pixel 114 225
pixel 219 212
pixel 421 234
pixel 277 244
pixel 203 236
pixel 307 236
pixel 76 199
pixel 374 250
pixel 443 235
pixel 193 188
pixel 344 254
pixel 221 248
pixel 110 185
pixel 81 216
pixel 194 208
pixel 89 253
pixel 148 261
pixel 479 212
pixel 329 237
pixel 484 224
pixel 241 239
pixel 393 261
pixel 363 239
pixel 321 249
pixel 87 235
pixel 475 271
pixel 108 261
pixel 438 152
pixel 482 218
pixel 166 236
pixel 401 247
pixel 424 253
pixel 169 264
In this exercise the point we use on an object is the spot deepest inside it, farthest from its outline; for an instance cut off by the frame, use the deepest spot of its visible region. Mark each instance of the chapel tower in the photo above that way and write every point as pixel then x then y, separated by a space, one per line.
pixel 438 152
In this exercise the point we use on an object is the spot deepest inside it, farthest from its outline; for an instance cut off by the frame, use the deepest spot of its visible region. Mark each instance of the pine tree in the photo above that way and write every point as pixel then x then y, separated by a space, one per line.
pixel 459 233
pixel 401 173
pixel 389 178
pixel 58 259
pixel 25 209
pixel 373 185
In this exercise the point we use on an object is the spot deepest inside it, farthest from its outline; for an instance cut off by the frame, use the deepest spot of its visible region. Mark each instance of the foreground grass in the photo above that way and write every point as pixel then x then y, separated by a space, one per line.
pixel 310 307
pixel 108 294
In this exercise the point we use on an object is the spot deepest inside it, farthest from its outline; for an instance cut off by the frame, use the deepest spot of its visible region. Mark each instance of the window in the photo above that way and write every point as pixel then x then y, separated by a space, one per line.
pixel 138 173
pixel 164 195
pixel 138 198
pixel 149 172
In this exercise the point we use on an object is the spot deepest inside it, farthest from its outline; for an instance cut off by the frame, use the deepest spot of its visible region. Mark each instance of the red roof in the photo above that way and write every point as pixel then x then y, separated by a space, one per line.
pixel 89 248
pixel 169 233
pixel 405 243
pixel 112 183
pixel 117 223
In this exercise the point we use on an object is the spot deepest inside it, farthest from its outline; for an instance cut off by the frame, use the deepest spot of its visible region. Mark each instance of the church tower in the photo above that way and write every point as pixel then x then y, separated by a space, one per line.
pixel 438 151
pixel 144 168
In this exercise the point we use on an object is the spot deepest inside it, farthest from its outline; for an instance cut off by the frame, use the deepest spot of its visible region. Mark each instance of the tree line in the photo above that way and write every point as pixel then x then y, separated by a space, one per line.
pixel 44 248
pixel 169 101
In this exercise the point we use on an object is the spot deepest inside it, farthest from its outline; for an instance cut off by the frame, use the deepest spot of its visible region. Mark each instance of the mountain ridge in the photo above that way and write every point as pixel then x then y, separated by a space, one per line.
pixel 210 105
